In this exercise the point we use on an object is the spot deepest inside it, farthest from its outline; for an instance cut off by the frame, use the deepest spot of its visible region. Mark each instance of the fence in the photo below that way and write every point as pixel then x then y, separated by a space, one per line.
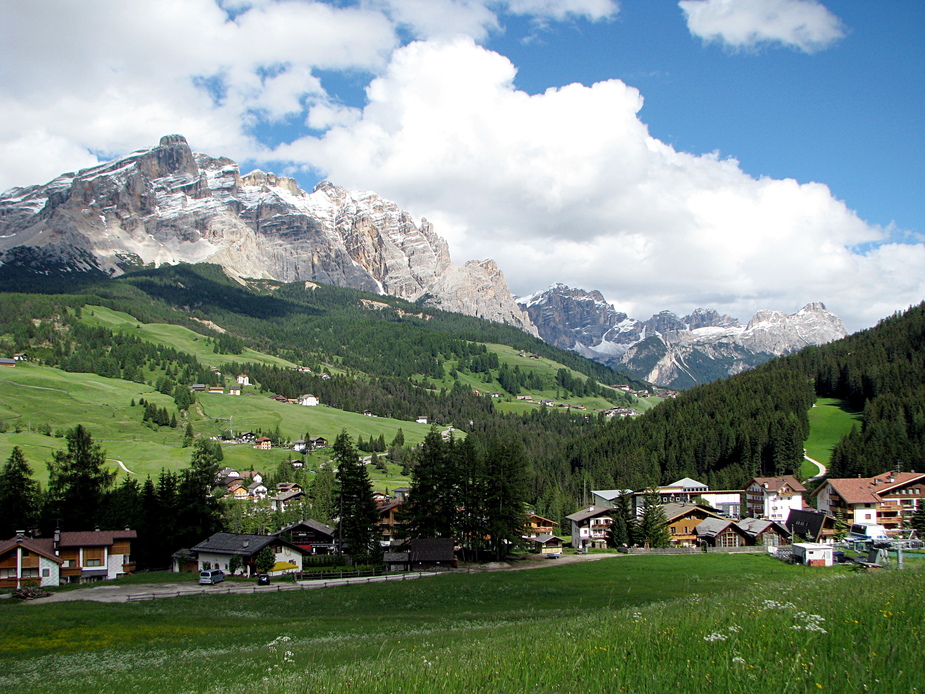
pixel 758 549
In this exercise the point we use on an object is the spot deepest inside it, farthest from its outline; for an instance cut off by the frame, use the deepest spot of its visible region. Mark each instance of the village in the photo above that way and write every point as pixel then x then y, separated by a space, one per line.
pixel 771 514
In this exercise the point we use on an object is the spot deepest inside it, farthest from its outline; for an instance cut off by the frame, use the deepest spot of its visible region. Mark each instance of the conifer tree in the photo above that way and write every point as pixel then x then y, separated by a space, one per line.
pixel 19 495
pixel 77 483
pixel 358 516
pixel 653 524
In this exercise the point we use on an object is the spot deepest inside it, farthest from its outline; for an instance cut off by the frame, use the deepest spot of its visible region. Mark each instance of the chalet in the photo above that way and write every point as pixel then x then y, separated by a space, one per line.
pixel 234 391
pixel 216 552
pixel 20 356
pixel 324 376
pixel 765 533
pixel 86 556
pixel 217 389
pixel 243 380
pixel 311 536
pixel 546 543
pixel 283 487
pixel 773 497
pixel 263 443
pixel 238 491
pixel 687 491
pixel 282 500
pixel 423 554
pixel 590 527
pixel 683 520
pixel 318 442
pixel 22 561
pixel 308 400
pixel 389 521
pixel 812 525
pixel 889 499
pixel 7 362
pixel 380 497
pixel 198 388
pixel 421 420
pixel 721 532
pixel 257 490
pixel 401 492
pixel 537 525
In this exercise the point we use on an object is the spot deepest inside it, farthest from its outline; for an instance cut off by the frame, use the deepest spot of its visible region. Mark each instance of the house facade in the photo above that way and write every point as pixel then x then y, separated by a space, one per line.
pixel 308 400
pixel 590 527
pixel 773 497
pixel 683 520
pixel 537 525
pixel 311 536
pixel 889 499
pixel 23 562
pixel 85 557
pixel 216 552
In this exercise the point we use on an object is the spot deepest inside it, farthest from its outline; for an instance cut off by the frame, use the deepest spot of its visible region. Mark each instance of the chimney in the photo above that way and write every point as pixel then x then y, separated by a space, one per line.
pixel 57 539
pixel 21 534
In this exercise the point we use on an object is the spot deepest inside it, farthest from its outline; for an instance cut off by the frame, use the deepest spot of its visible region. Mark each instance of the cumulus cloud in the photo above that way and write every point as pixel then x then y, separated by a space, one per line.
pixel 569 186
pixel 804 25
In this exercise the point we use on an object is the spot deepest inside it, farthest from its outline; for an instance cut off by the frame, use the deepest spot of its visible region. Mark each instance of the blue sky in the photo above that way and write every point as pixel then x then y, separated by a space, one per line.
pixel 735 154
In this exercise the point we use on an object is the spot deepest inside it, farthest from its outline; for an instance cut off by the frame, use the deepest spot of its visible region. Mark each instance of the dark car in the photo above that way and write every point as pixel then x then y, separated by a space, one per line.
pixel 263 579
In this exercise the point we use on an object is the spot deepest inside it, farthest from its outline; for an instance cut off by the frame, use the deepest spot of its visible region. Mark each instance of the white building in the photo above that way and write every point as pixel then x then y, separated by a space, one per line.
pixel 308 400
pixel 773 497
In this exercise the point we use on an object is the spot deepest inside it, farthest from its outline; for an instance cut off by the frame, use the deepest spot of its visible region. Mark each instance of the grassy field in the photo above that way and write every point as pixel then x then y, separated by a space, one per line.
pixel 829 421
pixel 693 623
pixel 36 399
pixel 181 339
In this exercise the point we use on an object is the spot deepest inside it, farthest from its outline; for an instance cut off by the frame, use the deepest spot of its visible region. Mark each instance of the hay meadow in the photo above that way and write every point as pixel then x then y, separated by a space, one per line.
pixel 694 623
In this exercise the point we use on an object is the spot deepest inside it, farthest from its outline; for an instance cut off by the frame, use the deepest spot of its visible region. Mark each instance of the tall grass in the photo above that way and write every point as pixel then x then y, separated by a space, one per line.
pixel 629 624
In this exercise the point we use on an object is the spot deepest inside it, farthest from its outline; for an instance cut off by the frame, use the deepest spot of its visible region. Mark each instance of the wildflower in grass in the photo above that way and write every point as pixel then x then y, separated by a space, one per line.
pixel 715 636
pixel 739 660
pixel 735 628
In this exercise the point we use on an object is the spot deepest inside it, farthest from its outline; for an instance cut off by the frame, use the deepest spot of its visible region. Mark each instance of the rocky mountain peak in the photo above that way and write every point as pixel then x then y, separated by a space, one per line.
pixel 167 204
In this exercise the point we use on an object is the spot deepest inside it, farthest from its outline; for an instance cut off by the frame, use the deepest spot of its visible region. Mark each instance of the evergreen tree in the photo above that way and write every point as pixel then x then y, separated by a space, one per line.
pixel 77 483
pixel 505 493
pixel 358 521
pixel 433 505
pixel 19 495
pixel 198 511
pixel 653 524
pixel 324 496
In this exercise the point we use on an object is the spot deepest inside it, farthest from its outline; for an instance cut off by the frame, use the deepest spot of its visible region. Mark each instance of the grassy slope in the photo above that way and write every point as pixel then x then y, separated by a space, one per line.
pixel 640 624
pixel 829 421
pixel 32 396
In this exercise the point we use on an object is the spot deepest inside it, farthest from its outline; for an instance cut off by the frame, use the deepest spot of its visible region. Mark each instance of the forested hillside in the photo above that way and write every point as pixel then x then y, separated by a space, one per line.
pixel 755 423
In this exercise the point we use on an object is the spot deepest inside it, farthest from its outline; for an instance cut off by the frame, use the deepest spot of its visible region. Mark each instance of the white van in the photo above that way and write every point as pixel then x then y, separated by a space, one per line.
pixel 211 577
pixel 862 532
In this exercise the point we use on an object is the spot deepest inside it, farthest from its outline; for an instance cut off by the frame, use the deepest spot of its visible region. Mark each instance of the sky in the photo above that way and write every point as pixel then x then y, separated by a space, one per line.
pixel 727 154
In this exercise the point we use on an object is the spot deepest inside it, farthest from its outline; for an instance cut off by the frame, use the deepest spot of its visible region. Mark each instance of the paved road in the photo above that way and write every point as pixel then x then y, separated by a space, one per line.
pixel 822 469
pixel 153 591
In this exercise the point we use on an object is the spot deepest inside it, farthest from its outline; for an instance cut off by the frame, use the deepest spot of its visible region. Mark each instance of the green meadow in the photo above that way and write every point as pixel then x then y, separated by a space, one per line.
pixel 39 404
pixel 644 624
pixel 829 420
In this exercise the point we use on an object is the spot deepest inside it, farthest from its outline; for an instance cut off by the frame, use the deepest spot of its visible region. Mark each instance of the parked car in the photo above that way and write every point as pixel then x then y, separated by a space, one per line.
pixel 210 577
pixel 263 579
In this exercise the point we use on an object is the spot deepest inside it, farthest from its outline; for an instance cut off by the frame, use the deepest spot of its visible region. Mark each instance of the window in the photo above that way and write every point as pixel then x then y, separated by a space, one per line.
pixel 94 562
pixel 46 573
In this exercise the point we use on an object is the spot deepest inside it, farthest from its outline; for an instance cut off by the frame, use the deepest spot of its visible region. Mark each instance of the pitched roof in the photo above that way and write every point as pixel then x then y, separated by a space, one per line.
pixel 711 527
pixel 809 523
pixel 869 490
pixel 234 543
pixel 590 512
pixel 756 526
pixel 687 484
pixel 310 523
pixel 90 538
pixel 546 537
pixel 777 483
pixel 30 545
pixel 676 510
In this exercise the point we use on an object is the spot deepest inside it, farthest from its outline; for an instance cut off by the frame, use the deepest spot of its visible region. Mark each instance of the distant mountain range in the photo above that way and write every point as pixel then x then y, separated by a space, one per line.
pixel 168 204
pixel 670 351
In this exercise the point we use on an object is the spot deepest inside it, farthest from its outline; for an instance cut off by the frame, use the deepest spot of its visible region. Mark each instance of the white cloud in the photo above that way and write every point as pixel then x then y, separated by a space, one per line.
pixel 569 186
pixel 804 25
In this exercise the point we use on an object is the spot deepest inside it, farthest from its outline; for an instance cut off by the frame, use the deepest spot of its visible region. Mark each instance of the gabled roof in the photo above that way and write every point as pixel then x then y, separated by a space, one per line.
pixel 756 526
pixel 289 496
pixel 234 543
pixel 676 510
pixel 309 523
pixel 548 520
pixel 590 512
pixel 777 483
pixel 384 506
pixel 88 538
pixel 546 537
pixel 30 545
pixel 711 527
pixel 809 523
pixel 687 484
pixel 431 549
pixel 611 494
pixel 869 490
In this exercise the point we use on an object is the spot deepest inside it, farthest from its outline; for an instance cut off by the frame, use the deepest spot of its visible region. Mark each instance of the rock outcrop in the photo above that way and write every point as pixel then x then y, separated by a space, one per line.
pixel 168 204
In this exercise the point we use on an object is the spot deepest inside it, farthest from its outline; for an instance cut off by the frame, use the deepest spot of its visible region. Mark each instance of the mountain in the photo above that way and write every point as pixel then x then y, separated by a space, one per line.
pixel 169 205
pixel 671 351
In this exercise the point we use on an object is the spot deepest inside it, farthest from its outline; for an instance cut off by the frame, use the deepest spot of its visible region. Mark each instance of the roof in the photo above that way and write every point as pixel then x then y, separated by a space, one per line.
pixel 91 538
pixel 234 543
pixel 756 526
pixel 809 523
pixel 678 509
pixel 546 537
pixel 432 549
pixel 590 512
pixel 30 545
pixel 611 494
pixel 289 496
pixel 687 484
pixel 869 490
pixel 776 483
pixel 310 523
pixel 548 520
pixel 384 506
pixel 711 527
